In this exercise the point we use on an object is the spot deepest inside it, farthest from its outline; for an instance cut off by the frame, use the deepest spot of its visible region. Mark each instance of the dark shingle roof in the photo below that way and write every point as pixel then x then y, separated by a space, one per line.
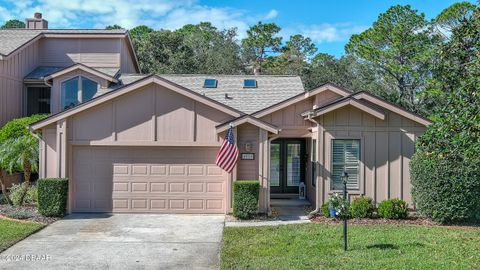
pixel 271 89
pixel 12 39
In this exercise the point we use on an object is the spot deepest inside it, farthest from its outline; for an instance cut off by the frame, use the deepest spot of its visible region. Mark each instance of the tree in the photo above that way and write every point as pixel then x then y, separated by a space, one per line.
pixel 214 51
pixel 261 41
pixel 13 24
pixel 445 170
pixel 454 15
pixel 346 72
pixel 294 57
pixel 21 152
pixel 399 46
pixel 115 26
pixel 165 51
pixel 139 32
pixel 453 56
pixel 15 128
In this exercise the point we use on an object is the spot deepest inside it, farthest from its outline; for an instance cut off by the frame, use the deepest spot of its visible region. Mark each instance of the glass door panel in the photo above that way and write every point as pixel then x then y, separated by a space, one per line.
pixel 287 165
pixel 293 164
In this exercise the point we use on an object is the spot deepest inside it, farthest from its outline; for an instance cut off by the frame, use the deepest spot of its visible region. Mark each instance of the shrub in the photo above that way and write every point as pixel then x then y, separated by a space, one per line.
pixel 18 213
pixel 362 207
pixel 52 196
pixel 245 200
pixel 16 192
pixel 325 210
pixel 393 209
pixel 18 127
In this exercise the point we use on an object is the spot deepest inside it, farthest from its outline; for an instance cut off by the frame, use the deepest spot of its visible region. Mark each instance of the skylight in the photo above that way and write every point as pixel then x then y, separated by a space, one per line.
pixel 210 83
pixel 249 83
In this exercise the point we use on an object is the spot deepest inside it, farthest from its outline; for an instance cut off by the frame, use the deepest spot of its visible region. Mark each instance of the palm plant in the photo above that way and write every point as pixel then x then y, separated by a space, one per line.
pixel 20 154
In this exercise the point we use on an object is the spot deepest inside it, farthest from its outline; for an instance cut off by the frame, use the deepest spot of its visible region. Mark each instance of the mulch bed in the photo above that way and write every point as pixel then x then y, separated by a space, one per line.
pixel 373 221
pixel 25 213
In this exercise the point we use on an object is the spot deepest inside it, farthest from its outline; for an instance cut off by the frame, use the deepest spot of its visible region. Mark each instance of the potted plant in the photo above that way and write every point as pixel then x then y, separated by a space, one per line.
pixel 333 204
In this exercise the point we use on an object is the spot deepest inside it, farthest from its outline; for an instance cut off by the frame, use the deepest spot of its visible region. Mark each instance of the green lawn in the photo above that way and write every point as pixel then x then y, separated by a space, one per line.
pixel 14 231
pixel 319 246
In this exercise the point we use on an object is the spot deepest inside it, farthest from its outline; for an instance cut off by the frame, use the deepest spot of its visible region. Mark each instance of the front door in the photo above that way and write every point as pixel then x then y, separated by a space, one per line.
pixel 287 165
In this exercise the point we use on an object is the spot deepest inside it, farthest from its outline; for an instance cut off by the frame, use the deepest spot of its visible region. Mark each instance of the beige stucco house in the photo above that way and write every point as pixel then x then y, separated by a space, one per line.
pixel 130 142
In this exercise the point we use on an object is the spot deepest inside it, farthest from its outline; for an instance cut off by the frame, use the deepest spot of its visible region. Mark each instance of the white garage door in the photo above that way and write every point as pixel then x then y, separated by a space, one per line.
pixel 147 179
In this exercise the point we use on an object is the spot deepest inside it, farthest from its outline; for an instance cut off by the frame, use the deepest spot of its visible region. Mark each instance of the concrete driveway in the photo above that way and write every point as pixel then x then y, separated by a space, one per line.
pixel 121 241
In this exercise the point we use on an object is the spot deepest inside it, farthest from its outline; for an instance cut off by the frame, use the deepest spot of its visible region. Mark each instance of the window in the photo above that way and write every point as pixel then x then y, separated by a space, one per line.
pixel 77 90
pixel 249 83
pixel 345 157
pixel 314 162
pixel 210 83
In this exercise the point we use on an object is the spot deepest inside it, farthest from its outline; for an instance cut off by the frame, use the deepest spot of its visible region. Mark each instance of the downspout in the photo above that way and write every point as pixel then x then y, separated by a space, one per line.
pixel 317 209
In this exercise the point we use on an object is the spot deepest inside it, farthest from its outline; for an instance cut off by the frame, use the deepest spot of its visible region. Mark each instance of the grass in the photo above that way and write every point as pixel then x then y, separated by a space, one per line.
pixel 320 246
pixel 13 231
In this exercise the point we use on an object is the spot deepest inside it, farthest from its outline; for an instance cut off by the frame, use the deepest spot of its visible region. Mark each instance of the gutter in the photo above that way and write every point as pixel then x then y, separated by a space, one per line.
pixel 317 208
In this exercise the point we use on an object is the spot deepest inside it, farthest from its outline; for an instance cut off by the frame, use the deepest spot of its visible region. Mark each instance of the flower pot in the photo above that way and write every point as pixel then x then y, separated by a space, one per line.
pixel 333 213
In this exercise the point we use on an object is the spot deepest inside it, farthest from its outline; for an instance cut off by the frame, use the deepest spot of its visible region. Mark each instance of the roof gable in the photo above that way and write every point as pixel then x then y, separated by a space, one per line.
pixel 302 96
pixel 79 66
pixel 132 87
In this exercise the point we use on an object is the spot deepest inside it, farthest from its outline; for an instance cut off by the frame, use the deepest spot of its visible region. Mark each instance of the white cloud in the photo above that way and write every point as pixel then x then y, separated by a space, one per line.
pixel 322 33
pixel 271 15
pixel 166 14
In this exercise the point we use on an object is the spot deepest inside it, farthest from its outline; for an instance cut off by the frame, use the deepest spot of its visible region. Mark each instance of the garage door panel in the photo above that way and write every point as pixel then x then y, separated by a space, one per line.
pixel 136 179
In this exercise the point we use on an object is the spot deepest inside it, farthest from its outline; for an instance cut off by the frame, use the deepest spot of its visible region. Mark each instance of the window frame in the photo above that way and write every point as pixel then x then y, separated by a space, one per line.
pixel 359 188
pixel 79 89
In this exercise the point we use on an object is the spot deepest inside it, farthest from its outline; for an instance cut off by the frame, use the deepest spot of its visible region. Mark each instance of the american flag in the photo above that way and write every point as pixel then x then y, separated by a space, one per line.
pixel 228 154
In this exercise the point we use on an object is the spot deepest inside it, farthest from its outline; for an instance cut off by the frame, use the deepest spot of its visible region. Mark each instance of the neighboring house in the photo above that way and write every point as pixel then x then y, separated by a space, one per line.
pixel 34 61
pixel 148 143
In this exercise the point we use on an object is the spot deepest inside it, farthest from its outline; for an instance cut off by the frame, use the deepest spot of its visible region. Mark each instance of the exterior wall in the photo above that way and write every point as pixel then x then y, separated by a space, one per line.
pixel 324 98
pixel 48 153
pixel 150 116
pixel 127 58
pixel 290 121
pixel 386 149
pixel 94 52
pixel 248 169
pixel 12 72
pixel 310 188
pixel 56 93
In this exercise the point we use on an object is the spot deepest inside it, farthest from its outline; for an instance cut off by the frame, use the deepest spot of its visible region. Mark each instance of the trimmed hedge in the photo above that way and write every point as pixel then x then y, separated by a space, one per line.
pixel 393 209
pixel 446 189
pixel 245 198
pixel 362 207
pixel 52 196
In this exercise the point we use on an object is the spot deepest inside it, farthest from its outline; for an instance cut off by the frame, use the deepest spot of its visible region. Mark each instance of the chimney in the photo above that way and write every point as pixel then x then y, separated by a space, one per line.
pixel 36 22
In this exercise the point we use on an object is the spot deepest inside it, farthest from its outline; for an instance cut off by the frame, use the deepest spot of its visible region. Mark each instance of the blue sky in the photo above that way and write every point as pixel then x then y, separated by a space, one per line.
pixel 328 23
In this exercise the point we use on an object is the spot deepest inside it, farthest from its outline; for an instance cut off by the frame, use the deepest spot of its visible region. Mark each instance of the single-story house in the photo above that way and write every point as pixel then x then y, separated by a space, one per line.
pixel 150 144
